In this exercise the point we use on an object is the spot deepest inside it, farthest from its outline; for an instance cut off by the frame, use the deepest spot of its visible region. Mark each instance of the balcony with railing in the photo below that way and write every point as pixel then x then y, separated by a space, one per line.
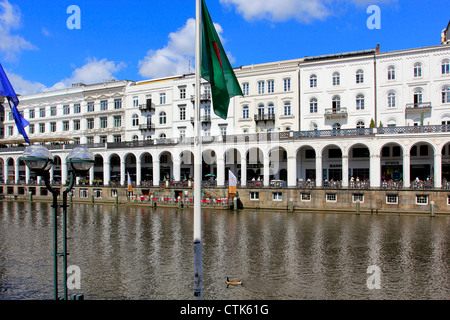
pixel 147 127
pixel 203 119
pixel 203 97
pixel 147 107
pixel 265 117
pixel 418 107
pixel 336 113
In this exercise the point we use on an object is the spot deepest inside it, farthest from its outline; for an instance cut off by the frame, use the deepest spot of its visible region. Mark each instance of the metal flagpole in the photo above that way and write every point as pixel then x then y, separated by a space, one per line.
pixel 197 161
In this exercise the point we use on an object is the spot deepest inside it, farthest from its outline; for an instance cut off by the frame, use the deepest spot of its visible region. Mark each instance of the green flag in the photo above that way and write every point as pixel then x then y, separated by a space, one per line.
pixel 215 67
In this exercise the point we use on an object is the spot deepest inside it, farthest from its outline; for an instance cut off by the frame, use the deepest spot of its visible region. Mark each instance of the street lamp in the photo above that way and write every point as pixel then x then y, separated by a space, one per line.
pixel 39 160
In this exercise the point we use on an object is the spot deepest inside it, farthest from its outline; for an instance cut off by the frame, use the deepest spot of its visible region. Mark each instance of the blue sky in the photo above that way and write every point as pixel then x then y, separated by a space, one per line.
pixel 144 39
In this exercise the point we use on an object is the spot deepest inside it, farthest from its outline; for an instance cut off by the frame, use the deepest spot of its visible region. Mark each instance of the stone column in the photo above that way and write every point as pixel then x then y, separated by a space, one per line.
pixel 244 171
pixel 345 171
pixel 220 172
pixel 437 170
pixel 266 171
pixel 106 173
pixel 122 172
pixel 138 171
pixel 292 171
pixel 375 171
pixel 406 171
pixel 319 177
pixel 156 173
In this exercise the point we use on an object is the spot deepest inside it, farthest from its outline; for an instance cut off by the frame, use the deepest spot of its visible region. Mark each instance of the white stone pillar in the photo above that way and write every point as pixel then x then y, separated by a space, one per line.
pixel 177 169
pixel 292 171
pixel 138 171
pixel 220 172
pixel 243 171
pixel 406 171
pixel 16 171
pixel 27 175
pixel 345 171
pixel 437 170
pixel 375 171
pixel 63 171
pixel 319 177
pixel 156 173
pixel 266 171
pixel 123 173
pixel 106 173
pixel 91 176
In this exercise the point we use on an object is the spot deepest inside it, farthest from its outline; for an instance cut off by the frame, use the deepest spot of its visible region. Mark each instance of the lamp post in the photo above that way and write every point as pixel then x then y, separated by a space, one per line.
pixel 39 159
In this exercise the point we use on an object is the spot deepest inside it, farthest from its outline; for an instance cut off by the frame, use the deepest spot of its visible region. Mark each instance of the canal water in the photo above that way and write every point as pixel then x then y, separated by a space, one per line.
pixel 131 252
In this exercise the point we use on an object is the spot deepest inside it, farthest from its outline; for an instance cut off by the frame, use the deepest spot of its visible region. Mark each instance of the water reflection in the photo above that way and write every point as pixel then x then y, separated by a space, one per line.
pixel 142 253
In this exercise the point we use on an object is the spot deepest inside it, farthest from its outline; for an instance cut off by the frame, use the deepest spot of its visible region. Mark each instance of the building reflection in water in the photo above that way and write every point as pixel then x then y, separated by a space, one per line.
pixel 134 252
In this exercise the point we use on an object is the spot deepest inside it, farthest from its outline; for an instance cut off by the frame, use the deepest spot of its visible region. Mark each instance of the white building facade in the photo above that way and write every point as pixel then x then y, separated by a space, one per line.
pixel 360 119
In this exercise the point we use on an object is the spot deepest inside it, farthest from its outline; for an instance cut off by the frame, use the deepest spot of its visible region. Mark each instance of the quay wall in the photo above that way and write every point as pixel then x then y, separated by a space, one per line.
pixel 297 199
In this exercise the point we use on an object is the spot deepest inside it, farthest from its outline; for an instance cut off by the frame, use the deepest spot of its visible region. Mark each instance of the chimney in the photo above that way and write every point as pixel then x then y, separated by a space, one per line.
pixel 377 49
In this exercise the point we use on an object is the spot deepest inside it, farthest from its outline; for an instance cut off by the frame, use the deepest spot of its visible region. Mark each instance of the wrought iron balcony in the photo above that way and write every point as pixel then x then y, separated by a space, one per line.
pixel 147 107
pixel 265 117
pixel 203 97
pixel 204 119
pixel 147 127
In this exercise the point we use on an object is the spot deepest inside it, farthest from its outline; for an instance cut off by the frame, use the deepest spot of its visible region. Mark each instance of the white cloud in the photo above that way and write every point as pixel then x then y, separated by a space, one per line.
pixel 94 71
pixel 10 19
pixel 177 57
pixel 300 10
pixel 280 10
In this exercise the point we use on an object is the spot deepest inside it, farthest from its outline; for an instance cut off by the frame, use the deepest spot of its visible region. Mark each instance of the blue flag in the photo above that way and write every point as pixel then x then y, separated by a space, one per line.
pixel 7 90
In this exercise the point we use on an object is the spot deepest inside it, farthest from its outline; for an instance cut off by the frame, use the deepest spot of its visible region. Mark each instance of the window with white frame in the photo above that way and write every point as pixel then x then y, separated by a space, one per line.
pixel 358 197
pixel 117 121
pixel 31 114
pixel 118 103
pixel 445 66
pixel 162 98
pixel 254 195
pixel 162 118
pixel 287 108
pixel 270 86
pixel 182 92
pixel 97 193
pixel 313 81
pixel 104 105
pixel 331 197
pixel 277 196
pixel 391 99
pixel 360 101
pixel 313 105
pixel 52 126
pixel 336 79
pixel 66 109
pixel 446 94
pixel 287 84
pixel 270 108
pixel 421 199
pixel 135 102
pixel 103 122
pixel 245 112
pixel 360 76
pixel 42 112
pixel 418 95
pixel 392 198
pixel 65 125
pixel 245 89
pixel 305 196
pixel 53 111
pixel 391 73
pixel 84 193
pixel 90 124
pixel 260 87
pixel 182 112
pixel 135 120
pixel 90 107
pixel 76 125
pixel 77 108
pixel 417 70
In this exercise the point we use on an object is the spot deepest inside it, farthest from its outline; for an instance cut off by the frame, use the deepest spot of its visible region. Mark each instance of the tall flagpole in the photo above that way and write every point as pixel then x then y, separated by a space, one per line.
pixel 197 160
